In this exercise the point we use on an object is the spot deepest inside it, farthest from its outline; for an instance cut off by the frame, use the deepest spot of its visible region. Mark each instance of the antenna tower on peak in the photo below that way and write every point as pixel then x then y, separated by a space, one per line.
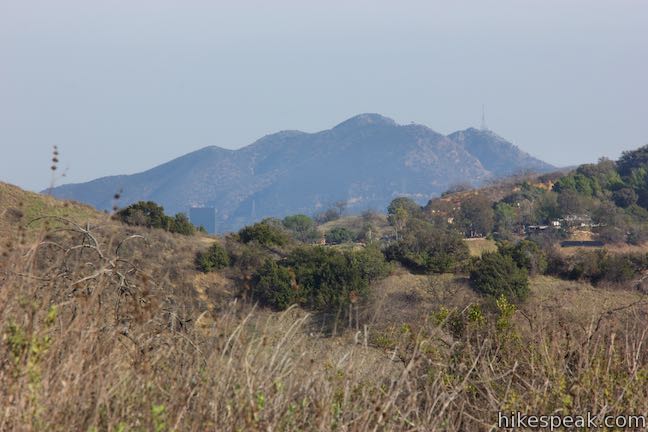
pixel 483 121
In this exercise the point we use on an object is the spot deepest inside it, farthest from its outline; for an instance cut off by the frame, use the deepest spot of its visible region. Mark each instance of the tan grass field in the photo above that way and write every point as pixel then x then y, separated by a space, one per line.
pixel 478 246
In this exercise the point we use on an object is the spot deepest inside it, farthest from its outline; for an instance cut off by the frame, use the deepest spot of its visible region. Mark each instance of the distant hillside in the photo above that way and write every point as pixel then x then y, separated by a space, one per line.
pixel 366 160
pixel 497 155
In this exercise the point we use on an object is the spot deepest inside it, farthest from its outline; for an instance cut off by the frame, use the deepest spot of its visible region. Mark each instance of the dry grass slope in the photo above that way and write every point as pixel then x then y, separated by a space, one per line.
pixel 108 328
pixel 478 246
pixel 20 207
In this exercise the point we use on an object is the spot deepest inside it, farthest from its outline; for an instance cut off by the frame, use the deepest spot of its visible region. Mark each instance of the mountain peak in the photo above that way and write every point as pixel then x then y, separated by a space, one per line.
pixel 366 119
pixel 367 160
pixel 479 131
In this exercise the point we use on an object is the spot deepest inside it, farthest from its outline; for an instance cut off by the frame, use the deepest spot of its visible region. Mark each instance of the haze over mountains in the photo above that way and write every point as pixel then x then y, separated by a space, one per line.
pixel 366 160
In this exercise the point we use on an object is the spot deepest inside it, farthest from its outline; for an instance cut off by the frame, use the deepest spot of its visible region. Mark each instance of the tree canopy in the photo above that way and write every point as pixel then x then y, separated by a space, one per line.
pixel 151 215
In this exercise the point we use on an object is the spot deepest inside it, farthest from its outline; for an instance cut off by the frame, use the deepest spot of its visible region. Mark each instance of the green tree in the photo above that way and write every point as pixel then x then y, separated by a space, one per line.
pixel 546 207
pixel 571 202
pixel 400 211
pixel 505 217
pixel 638 180
pixel 604 175
pixel 633 160
pixel 367 233
pixel 625 197
pixel 145 213
pixel 151 215
pixel 266 233
pixel 477 215
pixel 302 227
pixel 577 182
pixel 638 234
pixel 408 204
pixel 398 219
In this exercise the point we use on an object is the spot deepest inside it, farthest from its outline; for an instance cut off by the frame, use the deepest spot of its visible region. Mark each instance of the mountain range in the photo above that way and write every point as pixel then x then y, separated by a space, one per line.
pixel 366 160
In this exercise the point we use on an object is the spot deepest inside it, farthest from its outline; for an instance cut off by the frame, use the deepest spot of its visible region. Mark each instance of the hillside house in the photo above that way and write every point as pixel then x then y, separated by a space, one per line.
pixel 528 229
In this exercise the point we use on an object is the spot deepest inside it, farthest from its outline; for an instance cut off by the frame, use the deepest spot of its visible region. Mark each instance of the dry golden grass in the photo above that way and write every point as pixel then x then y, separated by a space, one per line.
pixel 581 235
pixel 102 337
pixel 18 206
pixel 476 247
pixel 355 223
pixel 621 248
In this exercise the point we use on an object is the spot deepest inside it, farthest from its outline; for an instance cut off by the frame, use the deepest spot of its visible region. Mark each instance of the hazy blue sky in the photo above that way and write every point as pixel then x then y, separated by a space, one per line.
pixel 121 86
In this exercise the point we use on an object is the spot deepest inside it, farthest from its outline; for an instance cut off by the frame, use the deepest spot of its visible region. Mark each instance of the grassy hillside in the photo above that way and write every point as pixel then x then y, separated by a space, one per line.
pixel 111 327
pixel 19 208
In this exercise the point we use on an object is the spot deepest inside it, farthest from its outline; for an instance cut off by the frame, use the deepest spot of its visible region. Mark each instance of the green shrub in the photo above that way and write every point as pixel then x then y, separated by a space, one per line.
pixel 370 262
pixel 275 286
pixel 339 235
pixel 214 258
pixel 617 269
pixel 424 247
pixel 600 266
pixel 330 280
pixel 324 275
pixel 246 258
pixel 638 234
pixel 496 274
pixel 144 213
pixel 266 233
pixel 302 227
pixel 151 215
pixel 582 265
pixel 180 224
pixel 637 214
pixel 526 254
